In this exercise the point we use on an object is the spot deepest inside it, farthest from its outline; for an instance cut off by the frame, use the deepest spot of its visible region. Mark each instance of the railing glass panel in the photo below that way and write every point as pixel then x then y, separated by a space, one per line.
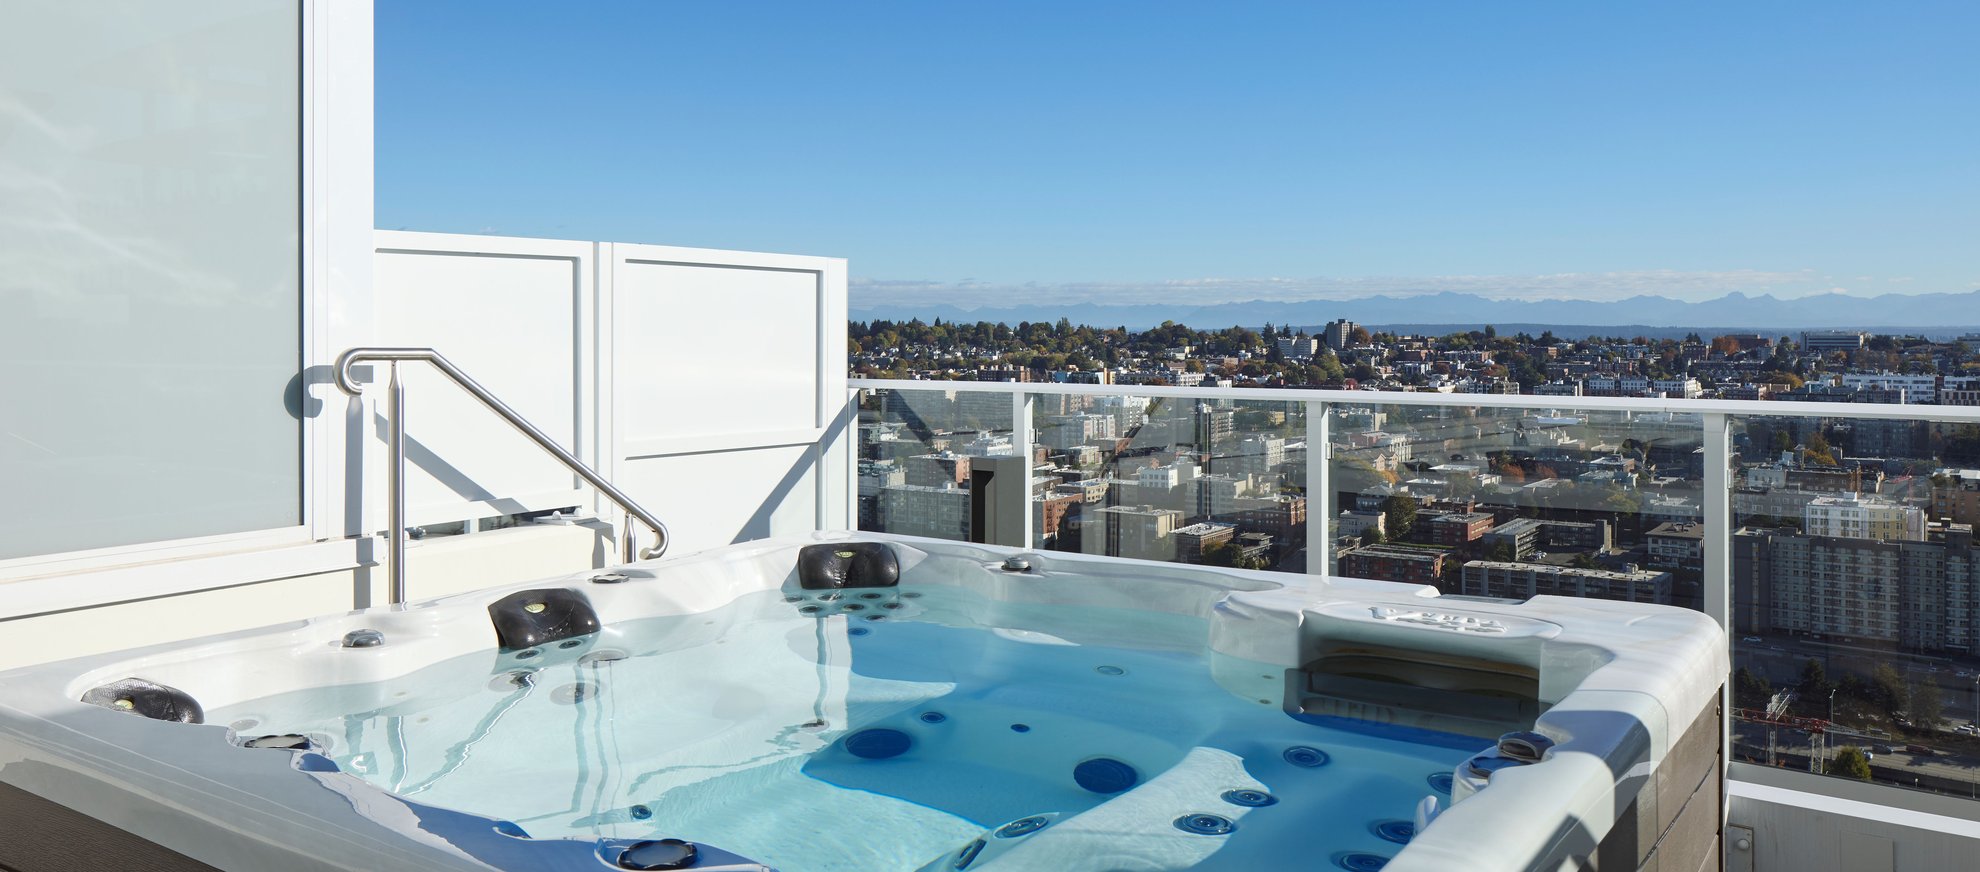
pixel 1510 502
pixel 1855 592
pixel 931 462
pixel 1205 480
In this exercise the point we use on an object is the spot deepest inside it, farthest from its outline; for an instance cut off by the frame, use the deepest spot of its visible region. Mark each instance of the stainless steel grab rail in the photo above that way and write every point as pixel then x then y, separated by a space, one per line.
pixel 397 440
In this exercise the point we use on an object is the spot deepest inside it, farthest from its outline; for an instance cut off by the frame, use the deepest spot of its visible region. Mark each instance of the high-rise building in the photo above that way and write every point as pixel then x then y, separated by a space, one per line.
pixel 1914 594
pixel 918 510
pixel 946 469
pixel 1336 333
pixel 1832 340
pixel 1141 532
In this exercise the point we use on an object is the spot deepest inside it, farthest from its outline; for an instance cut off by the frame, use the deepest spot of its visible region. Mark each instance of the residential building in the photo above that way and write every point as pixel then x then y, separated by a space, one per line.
pixel 1854 517
pixel 1395 563
pixel 1916 388
pixel 1192 541
pixel 873 476
pixel 1258 454
pixel 1049 513
pixel 1337 334
pixel 1686 388
pixel 1297 347
pixel 1526 580
pixel 1459 529
pixel 1958 498
pixel 922 510
pixel 1063 432
pixel 945 469
pixel 1823 341
pixel 1921 595
pixel 1140 532
pixel 1675 544
pixel 1520 536
pixel 1577 535
pixel 1357 524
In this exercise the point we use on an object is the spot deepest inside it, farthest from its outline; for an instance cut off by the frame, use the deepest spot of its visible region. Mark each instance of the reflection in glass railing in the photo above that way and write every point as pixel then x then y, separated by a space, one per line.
pixel 1507 502
pixel 1218 482
pixel 1855 589
pixel 1852 580
pixel 930 459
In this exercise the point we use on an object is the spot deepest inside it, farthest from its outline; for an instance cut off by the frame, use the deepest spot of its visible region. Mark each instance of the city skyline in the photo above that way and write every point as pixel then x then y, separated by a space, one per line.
pixel 1273 152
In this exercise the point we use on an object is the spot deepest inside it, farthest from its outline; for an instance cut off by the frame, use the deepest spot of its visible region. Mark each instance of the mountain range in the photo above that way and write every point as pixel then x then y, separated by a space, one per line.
pixel 1933 313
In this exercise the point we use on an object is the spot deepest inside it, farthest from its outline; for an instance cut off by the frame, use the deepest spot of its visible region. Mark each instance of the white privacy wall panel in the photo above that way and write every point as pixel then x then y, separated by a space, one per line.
pixel 520 317
pixel 688 333
pixel 721 497
pixel 709 385
pixel 728 386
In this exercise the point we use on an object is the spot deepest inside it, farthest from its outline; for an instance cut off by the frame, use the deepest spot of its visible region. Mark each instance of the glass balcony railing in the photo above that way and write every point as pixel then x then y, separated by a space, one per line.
pixel 1519 502
pixel 1834 541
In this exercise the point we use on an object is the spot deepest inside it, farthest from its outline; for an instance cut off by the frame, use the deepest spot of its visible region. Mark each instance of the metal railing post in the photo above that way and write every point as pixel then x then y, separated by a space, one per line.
pixel 396 487
pixel 1021 444
pixel 1319 511
pixel 1716 510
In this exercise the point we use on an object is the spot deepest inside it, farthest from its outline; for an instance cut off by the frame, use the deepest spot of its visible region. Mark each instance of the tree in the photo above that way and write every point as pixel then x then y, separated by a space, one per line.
pixel 1888 687
pixel 1750 690
pixel 1814 680
pixel 1226 555
pixel 1850 763
pixel 1500 552
pixel 1399 512
pixel 1927 710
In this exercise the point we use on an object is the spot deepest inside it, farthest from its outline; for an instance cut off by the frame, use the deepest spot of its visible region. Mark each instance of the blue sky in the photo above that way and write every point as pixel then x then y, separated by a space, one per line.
pixel 989 153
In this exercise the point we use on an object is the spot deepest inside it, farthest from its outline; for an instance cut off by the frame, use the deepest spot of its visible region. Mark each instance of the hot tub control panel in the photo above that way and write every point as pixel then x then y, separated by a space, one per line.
pixel 1446 620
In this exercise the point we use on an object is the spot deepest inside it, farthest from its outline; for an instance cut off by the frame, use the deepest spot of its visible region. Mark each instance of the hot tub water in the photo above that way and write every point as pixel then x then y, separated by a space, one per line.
pixel 884 730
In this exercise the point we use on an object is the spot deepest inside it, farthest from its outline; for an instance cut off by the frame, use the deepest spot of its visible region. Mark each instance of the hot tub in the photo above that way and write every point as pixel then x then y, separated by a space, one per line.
pixel 865 702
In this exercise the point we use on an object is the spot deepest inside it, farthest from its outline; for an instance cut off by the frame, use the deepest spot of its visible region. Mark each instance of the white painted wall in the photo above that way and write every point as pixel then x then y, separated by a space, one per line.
pixel 520 316
pixel 710 385
pixel 728 390
pixel 1803 831
pixel 702 382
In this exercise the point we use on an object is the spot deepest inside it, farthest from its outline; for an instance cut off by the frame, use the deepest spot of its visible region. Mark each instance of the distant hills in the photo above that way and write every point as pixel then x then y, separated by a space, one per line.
pixel 1933 314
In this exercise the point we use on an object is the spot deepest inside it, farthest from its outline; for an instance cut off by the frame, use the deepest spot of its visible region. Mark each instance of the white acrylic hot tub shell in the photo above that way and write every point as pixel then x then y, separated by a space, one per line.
pixel 1623 680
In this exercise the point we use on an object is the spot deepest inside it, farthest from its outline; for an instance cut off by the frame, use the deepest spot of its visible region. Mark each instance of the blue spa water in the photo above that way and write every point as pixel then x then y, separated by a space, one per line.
pixel 886 732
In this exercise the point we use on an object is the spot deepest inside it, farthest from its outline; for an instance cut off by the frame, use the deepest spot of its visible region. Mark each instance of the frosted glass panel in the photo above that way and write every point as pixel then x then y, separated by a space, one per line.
pixel 150 261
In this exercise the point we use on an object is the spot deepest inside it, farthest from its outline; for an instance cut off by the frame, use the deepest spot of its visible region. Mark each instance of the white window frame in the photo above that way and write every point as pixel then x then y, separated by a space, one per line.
pixel 336 223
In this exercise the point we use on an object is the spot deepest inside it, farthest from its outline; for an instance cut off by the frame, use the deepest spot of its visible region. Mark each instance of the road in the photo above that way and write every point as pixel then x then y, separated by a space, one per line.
pixel 1958 773
pixel 1779 660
